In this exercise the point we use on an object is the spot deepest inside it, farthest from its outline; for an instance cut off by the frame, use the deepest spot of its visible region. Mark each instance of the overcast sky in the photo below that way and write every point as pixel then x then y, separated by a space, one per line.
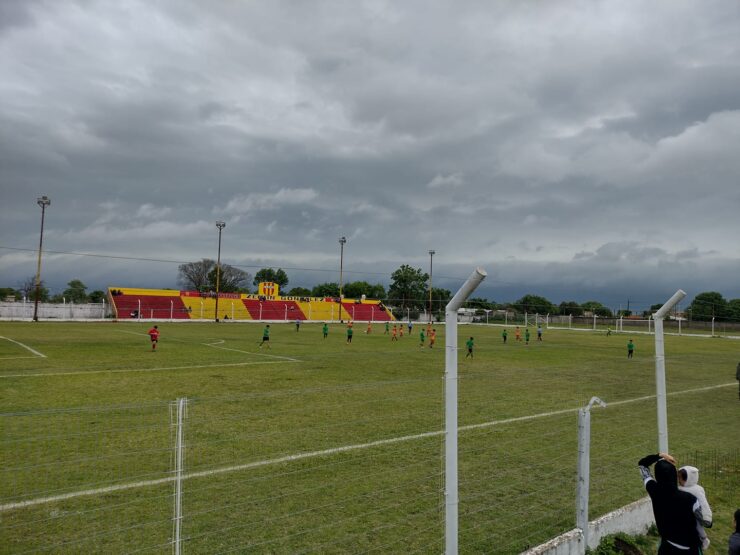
pixel 577 150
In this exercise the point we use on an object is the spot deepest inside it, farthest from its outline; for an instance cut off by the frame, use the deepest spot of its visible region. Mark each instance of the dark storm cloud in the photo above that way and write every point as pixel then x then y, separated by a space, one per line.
pixel 569 146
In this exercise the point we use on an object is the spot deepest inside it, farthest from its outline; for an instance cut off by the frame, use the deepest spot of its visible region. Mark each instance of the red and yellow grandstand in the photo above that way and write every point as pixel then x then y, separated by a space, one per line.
pixel 168 304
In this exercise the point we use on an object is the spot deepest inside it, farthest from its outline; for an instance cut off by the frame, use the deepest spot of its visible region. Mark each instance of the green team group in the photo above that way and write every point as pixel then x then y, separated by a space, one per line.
pixel 430 335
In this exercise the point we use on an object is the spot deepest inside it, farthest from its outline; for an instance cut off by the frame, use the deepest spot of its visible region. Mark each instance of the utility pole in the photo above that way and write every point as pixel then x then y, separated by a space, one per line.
pixel 220 225
pixel 431 259
pixel 43 202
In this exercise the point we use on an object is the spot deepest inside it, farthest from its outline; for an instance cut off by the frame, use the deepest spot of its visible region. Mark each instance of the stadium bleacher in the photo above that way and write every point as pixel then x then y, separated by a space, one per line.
pixel 162 304
pixel 148 303
pixel 366 311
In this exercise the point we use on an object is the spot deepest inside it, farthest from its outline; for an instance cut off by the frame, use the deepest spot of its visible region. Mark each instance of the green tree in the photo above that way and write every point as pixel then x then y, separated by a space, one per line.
pixel 597 308
pixel 231 280
pixel 6 292
pixel 733 310
pixel 478 303
pixel 356 289
pixel 96 296
pixel 28 288
pixel 76 292
pixel 708 304
pixel 376 291
pixel 535 303
pixel 652 310
pixel 194 275
pixel 408 287
pixel 299 292
pixel 440 298
pixel 273 276
pixel 570 308
pixel 325 290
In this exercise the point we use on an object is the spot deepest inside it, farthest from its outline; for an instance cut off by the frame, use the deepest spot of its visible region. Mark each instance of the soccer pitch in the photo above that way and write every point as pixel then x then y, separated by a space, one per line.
pixel 316 445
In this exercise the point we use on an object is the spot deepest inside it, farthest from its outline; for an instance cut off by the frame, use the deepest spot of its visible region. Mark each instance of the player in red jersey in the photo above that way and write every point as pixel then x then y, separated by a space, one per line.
pixel 154 336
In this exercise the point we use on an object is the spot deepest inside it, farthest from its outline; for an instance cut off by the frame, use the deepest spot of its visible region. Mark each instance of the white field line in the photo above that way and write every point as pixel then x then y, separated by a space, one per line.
pixel 216 346
pixel 322 453
pixel 125 370
pixel 35 352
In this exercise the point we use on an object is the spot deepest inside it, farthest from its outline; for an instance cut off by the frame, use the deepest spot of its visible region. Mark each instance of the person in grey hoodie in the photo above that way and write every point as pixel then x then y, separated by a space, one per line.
pixel 688 480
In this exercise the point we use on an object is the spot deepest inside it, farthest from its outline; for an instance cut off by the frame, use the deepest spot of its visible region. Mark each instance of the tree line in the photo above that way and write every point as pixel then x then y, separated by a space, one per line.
pixel 407 294
pixel 76 292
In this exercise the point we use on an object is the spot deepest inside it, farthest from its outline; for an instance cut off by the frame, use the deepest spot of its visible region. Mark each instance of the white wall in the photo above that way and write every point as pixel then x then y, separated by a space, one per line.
pixel 632 519
pixel 21 310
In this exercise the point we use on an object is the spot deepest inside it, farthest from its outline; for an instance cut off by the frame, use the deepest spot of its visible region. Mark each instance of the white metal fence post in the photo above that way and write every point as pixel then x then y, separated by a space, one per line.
pixel 584 466
pixel 660 389
pixel 179 464
pixel 451 491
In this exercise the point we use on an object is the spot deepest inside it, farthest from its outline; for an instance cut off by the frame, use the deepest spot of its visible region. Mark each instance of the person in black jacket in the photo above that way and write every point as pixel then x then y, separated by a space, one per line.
pixel 734 547
pixel 676 512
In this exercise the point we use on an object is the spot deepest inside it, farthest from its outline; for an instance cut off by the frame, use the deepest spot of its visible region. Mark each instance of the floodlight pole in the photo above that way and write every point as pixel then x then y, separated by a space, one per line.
pixel 220 225
pixel 660 389
pixel 451 488
pixel 43 202
pixel 431 267
pixel 342 241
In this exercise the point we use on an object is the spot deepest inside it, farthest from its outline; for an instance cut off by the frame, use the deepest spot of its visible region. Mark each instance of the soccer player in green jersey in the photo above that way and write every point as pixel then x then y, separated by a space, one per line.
pixel 422 338
pixel 526 336
pixel 469 345
pixel 630 349
pixel 349 333
pixel 387 328
pixel 504 335
pixel 266 336
pixel 325 330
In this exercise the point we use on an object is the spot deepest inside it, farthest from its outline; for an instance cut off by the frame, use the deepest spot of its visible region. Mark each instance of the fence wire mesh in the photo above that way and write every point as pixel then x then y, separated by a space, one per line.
pixel 356 467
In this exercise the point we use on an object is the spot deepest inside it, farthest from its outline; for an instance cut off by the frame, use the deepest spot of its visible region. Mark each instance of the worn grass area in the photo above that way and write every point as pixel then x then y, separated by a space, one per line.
pixel 319 446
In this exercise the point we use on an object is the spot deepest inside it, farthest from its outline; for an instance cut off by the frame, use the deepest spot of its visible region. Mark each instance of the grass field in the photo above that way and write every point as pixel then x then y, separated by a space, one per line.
pixel 319 446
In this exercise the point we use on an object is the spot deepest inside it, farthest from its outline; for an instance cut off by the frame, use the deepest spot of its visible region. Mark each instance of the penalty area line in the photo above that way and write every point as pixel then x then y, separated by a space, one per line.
pixel 34 351
pixel 217 345
pixel 321 453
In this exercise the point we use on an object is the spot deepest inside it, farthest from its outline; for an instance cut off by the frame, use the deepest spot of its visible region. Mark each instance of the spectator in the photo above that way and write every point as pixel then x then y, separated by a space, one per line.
pixel 734 548
pixel 688 480
pixel 676 512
